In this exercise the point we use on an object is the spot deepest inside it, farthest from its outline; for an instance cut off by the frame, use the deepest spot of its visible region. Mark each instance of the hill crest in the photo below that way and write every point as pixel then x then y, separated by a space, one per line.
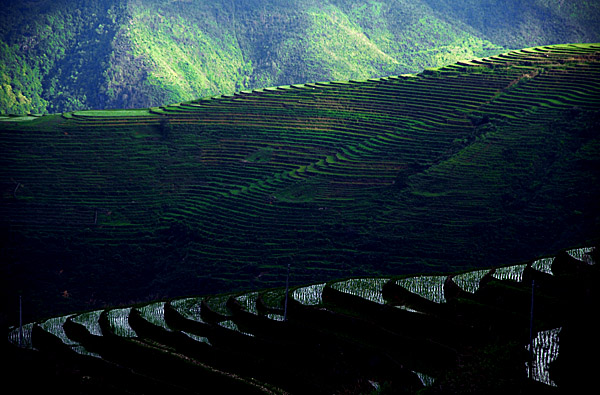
pixel 59 57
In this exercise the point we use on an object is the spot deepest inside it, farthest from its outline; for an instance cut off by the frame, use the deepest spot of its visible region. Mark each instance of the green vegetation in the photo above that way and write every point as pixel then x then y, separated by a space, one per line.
pixel 445 170
pixel 59 56
pixel 54 54
pixel 538 21
pixel 20 85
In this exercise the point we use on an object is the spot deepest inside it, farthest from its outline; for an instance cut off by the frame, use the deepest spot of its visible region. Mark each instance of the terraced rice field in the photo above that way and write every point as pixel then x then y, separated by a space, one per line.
pixel 428 287
pixel 309 295
pixel 243 351
pixel 119 322
pixel 90 320
pixel 365 288
pixel 436 171
pixel 546 348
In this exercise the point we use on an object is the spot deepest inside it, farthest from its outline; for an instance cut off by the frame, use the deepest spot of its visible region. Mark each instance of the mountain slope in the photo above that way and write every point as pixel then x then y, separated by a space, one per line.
pixel 64 55
pixel 515 24
pixel 465 166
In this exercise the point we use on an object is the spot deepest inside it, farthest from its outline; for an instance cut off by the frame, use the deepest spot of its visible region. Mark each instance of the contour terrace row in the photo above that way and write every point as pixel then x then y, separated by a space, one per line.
pixel 410 330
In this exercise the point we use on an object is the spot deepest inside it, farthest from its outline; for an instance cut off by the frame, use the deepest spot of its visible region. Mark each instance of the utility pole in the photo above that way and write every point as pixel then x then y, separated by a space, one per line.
pixel 287 291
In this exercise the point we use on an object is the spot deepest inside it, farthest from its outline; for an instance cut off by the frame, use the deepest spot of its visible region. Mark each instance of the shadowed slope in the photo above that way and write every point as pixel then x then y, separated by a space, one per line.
pixel 449 333
pixel 463 166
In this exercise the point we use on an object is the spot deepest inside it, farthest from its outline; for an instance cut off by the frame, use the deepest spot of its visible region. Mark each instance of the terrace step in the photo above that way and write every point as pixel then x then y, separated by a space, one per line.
pixel 338 175
pixel 353 318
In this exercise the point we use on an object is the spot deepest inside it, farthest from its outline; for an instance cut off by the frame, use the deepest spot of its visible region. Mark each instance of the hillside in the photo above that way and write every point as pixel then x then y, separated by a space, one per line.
pixel 517 329
pixel 471 165
pixel 62 55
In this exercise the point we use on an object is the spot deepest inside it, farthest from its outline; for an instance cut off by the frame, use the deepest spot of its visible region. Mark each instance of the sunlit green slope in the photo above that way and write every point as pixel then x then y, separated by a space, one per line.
pixel 464 166
pixel 62 55
pixel 274 43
